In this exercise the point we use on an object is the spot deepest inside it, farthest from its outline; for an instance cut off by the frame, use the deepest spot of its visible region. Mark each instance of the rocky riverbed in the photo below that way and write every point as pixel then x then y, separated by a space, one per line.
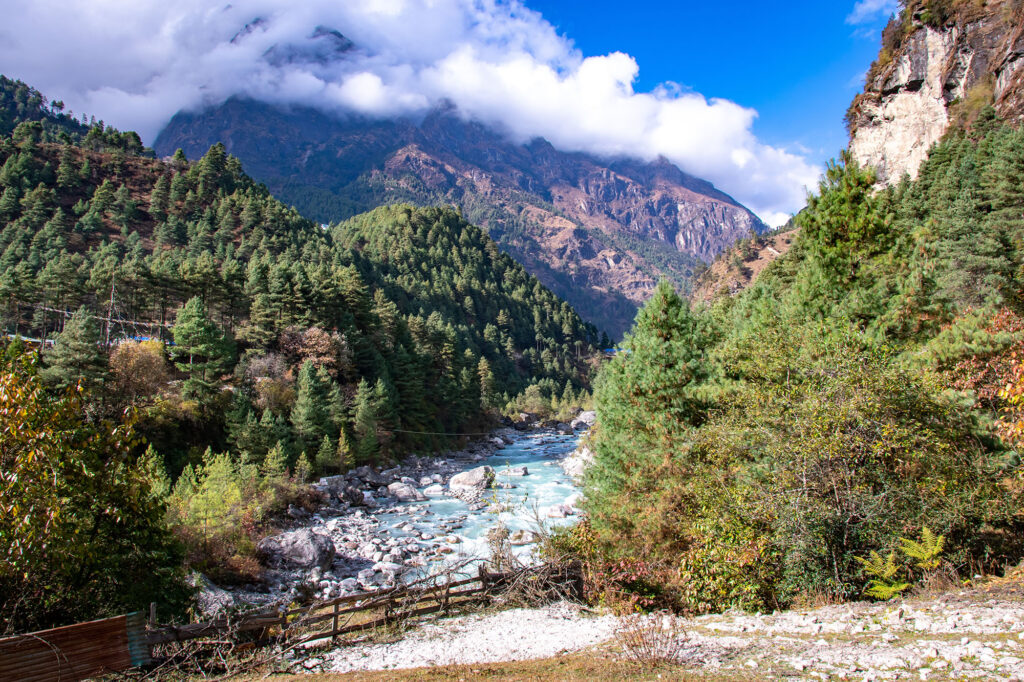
pixel 380 527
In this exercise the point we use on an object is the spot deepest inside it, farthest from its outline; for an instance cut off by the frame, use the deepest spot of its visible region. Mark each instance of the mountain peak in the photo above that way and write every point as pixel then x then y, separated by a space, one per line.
pixel 598 232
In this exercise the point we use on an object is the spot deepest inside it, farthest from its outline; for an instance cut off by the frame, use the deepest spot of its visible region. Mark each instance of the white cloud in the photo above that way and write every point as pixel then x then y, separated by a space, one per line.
pixel 136 64
pixel 871 10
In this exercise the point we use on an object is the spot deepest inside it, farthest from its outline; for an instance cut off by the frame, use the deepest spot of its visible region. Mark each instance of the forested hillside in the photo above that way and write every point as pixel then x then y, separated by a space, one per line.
pixel 867 387
pixel 598 232
pixel 222 350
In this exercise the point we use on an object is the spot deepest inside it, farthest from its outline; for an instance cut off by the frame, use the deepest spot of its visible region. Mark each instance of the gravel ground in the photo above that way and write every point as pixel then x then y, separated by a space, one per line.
pixel 974 633
pixel 512 635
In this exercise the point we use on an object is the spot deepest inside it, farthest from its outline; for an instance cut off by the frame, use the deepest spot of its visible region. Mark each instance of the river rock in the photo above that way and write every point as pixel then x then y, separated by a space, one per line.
pixel 516 471
pixel 479 478
pixel 584 421
pixel 560 511
pixel 523 537
pixel 564 429
pixel 370 477
pixel 211 600
pixel 434 489
pixel 296 549
pixel 405 492
pixel 353 496
pixel 576 464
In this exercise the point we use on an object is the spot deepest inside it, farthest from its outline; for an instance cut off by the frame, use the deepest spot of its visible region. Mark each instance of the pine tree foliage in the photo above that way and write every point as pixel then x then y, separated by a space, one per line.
pixel 750 451
pixel 78 357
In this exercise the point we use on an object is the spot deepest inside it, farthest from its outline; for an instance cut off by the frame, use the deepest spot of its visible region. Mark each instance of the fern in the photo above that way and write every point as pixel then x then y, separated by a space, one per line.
pixel 884 585
pixel 928 552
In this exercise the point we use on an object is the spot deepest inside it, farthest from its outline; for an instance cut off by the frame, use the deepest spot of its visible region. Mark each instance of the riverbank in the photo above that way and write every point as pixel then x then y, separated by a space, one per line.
pixel 425 516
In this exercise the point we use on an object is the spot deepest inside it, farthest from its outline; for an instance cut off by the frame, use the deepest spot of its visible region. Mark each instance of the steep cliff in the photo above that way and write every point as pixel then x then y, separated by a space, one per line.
pixel 600 233
pixel 941 62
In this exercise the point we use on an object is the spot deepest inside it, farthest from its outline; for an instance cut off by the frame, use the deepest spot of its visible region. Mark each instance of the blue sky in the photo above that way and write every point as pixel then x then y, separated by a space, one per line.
pixel 798 64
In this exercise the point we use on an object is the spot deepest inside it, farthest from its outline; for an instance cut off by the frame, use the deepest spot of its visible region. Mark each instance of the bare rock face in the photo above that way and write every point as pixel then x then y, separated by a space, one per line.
pixel 909 104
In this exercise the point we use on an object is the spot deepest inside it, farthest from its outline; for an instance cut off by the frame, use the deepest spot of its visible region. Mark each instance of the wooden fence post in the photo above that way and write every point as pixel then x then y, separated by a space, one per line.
pixel 483 578
pixel 334 629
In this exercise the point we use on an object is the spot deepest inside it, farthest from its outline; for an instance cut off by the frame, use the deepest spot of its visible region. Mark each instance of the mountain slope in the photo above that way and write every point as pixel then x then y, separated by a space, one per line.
pixel 443 323
pixel 598 233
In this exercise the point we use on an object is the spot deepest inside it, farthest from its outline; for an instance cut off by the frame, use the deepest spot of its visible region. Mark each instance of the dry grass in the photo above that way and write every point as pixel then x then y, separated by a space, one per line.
pixel 575 668
pixel 651 642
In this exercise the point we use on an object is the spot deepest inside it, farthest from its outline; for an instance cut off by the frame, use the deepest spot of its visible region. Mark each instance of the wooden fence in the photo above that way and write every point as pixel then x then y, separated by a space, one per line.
pixel 369 610
pixel 77 652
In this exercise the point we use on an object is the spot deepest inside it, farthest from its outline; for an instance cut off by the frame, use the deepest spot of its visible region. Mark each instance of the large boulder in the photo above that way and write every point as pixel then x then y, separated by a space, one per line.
pixel 564 429
pixel 584 420
pixel 354 496
pixel 211 601
pixel 371 477
pixel 523 537
pixel 296 549
pixel 403 492
pixel 479 478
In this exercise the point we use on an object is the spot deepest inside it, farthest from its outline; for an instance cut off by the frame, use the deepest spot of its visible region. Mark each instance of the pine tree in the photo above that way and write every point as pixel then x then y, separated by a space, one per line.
pixel 201 349
pixel 346 453
pixel 77 357
pixel 326 456
pixel 367 446
pixel 303 469
pixel 67 173
pixel 310 415
pixel 488 389
pixel 647 400
pixel 159 198
pixel 275 464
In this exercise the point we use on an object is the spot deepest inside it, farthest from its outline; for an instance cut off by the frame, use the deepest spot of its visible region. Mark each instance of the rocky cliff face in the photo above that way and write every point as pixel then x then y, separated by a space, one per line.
pixel 930 76
pixel 599 233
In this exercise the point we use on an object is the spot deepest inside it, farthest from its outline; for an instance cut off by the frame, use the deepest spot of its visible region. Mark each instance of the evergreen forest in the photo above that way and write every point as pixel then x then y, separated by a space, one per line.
pixel 184 352
pixel 864 391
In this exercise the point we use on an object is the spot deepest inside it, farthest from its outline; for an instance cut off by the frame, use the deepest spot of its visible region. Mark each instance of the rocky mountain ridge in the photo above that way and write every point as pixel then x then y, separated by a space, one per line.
pixel 940 63
pixel 599 233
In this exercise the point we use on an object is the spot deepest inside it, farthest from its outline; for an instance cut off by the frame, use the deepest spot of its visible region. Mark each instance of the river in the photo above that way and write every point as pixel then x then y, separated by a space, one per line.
pixel 388 540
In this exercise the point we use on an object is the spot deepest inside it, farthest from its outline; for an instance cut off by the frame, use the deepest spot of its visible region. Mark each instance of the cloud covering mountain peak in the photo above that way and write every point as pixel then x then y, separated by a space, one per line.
pixel 136 64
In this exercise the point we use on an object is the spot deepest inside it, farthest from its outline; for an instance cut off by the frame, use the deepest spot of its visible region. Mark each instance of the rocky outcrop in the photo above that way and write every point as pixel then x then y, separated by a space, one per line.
pixel 297 549
pixel 598 232
pixel 935 77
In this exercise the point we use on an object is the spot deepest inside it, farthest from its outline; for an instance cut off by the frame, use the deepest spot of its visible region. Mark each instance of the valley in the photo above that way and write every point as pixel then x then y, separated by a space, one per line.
pixel 416 346
pixel 599 233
